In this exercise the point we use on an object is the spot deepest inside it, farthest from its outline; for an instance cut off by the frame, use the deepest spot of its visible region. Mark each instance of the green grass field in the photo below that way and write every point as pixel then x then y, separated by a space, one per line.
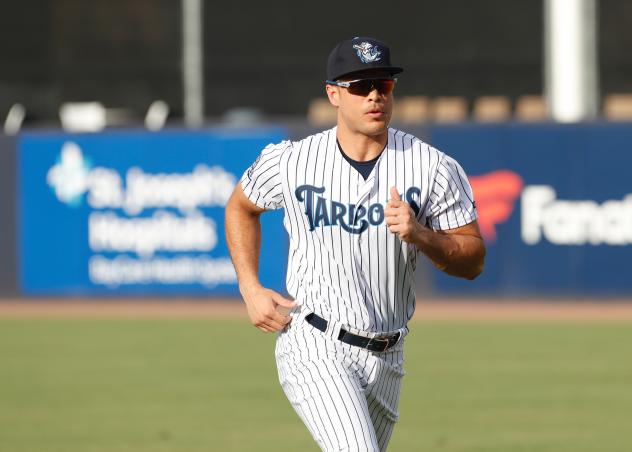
pixel 211 385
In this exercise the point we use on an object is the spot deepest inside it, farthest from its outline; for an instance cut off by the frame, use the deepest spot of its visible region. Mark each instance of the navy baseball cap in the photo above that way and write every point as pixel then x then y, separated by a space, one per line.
pixel 359 54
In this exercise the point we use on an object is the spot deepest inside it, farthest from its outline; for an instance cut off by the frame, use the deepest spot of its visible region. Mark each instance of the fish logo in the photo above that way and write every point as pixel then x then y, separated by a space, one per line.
pixel 367 52
pixel 495 195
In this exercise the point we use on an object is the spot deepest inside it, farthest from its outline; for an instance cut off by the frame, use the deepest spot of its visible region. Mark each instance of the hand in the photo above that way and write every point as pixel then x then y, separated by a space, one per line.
pixel 400 218
pixel 262 307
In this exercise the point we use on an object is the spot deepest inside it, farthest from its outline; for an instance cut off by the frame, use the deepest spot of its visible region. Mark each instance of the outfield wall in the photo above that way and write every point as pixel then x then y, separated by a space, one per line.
pixel 555 203
pixel 135 213
pixel 138 213
pixel 8 251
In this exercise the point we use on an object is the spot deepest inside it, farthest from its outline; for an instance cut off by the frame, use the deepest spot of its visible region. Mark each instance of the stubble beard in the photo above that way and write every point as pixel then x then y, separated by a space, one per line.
pixel 369 128
pixel 375 128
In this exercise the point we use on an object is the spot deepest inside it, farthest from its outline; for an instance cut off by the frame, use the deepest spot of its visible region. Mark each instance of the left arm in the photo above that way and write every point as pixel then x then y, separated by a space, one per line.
pixel 458 252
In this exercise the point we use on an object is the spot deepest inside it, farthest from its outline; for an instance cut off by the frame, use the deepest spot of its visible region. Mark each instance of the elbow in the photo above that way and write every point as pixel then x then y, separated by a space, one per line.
pixel 475 273
pixel 479 265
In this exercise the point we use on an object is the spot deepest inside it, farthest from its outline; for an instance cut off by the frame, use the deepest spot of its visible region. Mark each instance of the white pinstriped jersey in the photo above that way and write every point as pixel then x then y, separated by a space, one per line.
pixel 344 264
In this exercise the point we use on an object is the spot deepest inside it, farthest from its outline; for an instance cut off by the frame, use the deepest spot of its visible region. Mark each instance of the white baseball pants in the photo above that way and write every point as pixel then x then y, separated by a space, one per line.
pixel 346 396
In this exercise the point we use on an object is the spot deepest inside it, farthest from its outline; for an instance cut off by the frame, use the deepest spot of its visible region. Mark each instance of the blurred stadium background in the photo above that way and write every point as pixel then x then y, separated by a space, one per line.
pixel 126 124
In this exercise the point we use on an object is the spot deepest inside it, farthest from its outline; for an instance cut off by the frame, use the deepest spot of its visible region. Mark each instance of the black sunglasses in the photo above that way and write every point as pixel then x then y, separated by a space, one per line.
pixel 362 87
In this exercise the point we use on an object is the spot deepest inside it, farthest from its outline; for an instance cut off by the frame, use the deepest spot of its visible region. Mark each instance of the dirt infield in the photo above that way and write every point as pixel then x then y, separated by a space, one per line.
pixel 443 309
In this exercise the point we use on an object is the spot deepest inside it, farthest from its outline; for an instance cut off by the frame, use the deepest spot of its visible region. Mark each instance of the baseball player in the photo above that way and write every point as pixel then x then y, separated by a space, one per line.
pixel 361 200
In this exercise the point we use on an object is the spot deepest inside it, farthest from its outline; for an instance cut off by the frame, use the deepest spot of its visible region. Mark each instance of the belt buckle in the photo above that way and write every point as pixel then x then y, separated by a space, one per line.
pixel 377 344
pixel 384 341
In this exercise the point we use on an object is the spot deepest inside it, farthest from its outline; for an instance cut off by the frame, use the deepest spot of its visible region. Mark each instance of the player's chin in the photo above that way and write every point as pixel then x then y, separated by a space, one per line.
pixel 378 125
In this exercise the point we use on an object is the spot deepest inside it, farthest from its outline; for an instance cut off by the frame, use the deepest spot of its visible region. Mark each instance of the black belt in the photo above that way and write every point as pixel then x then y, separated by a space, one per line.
pixel 376 344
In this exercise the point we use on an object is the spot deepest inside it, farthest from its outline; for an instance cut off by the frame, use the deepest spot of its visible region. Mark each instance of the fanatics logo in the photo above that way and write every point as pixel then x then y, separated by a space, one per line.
pixel 367 52
pixel 496 195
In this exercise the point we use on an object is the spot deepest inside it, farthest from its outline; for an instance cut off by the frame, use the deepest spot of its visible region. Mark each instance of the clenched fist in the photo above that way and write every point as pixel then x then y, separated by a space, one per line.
pixel 400 218
pixel 267 309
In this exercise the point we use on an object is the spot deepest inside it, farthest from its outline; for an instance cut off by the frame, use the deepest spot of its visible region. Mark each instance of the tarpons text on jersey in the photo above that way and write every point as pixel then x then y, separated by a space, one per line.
pixel 354 219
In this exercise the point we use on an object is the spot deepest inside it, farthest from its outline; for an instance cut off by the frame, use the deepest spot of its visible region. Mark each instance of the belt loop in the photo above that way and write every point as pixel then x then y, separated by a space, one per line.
pixel 402 332
pixel 333 329
pixel 298 313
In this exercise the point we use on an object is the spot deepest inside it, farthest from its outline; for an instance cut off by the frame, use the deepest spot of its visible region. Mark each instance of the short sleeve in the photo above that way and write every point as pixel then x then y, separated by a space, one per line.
pixel 261 182
pixel 451 203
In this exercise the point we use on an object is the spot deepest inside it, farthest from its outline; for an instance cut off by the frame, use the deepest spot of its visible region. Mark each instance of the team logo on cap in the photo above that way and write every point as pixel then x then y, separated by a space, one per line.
pixel 367 52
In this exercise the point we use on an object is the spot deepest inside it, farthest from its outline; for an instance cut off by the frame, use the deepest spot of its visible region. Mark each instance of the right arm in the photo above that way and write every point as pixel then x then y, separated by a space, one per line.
pixel 243 235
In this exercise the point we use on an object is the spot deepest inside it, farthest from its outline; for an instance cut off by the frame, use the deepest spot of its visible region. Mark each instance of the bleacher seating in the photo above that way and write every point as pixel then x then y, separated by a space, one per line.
pixel 531 108
pixel 491 109
pixel 321 113
pixel 448 109
pixel 14 119
pixel 411 109
pixel 617 107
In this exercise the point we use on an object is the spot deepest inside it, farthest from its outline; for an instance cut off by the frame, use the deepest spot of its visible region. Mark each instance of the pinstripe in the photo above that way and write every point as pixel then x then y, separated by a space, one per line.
pixel 346 266
pixel 357 413
pixel 390 278
pixel 314 420
pixel 338 392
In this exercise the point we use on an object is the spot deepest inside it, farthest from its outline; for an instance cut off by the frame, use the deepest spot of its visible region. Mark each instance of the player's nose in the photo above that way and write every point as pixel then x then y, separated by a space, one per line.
pixel 375 95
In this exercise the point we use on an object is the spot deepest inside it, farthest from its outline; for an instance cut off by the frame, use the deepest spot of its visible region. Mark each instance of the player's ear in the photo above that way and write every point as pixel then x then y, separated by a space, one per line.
pixel 333 93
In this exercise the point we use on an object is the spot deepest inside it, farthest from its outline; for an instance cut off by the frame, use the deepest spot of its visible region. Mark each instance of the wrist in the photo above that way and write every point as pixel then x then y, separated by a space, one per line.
pixel 247 288
pixel 420 234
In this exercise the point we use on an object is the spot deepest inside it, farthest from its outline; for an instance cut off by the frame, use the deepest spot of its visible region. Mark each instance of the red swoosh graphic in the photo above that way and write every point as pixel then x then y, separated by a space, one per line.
pixel 495 194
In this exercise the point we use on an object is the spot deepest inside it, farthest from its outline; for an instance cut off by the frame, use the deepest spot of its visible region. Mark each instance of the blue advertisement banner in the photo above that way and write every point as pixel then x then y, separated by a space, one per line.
pixel 554 203
pixel 136 213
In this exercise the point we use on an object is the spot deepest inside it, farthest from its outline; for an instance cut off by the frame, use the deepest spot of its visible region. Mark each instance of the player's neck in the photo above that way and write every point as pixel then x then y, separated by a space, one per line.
pixel 360 147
